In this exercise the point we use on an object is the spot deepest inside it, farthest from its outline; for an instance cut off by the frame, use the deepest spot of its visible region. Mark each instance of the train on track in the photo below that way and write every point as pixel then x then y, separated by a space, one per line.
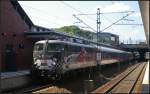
pixel 54 58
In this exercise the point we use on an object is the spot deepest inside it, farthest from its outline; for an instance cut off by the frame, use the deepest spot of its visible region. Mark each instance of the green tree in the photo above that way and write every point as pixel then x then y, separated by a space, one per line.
pixel 75 31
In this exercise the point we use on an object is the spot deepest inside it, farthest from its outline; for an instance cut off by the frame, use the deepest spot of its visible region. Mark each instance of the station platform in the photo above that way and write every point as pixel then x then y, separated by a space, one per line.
pixel 5 75
pixel 145 83
pixel 12 80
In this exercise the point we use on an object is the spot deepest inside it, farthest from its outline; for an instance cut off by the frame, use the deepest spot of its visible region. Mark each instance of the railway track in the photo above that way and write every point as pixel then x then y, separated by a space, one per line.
pixel 52 89
pixel 74 84
pixel 36 88
pixel 47 88
pixel 126 82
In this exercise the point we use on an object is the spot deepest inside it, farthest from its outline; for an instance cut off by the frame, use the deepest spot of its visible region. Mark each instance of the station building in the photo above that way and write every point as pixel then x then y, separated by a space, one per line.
pixel 15 48
pixel 107 38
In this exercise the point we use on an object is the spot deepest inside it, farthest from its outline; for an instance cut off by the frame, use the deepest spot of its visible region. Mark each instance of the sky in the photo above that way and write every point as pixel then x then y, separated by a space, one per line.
pixel 56 14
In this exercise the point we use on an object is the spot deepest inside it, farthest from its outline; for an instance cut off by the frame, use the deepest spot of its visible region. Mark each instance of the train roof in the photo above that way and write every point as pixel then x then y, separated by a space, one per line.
pixel 102 48
pixel 106 49
pixel 65 42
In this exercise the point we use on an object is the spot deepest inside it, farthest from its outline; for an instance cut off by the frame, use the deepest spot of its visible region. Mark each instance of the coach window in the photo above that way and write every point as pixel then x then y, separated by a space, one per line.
pixel 88 50
pixel 75 49
pixel 65 47
pixel 69 48
pixel 91 50
pixel 78 49
pixel 72 48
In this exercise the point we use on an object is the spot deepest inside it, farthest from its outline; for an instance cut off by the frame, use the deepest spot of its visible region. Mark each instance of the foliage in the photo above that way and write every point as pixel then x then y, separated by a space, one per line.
pixel 76 31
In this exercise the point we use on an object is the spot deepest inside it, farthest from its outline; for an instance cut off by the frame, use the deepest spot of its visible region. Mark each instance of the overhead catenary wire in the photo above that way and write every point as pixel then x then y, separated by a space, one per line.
pixel 113 18
pixel 84 22
pixel 129 24
pixel 117 12
pixel 117 21
pixel 109 13
pixel 70 6
pixel 107 19
pixel 87 14
pixel 125 24
pixel 74 9
pixel 90 14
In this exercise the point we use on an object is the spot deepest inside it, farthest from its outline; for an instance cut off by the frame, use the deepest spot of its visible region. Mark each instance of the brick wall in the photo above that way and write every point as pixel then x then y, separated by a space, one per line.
pixel 12 28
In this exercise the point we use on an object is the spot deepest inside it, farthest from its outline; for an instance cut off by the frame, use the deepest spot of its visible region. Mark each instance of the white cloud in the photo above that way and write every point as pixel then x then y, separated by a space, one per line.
pixel 116 7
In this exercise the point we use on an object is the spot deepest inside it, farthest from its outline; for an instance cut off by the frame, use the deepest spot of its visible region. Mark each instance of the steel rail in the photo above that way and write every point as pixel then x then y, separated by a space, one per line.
pixel 108 87
pixel 37 88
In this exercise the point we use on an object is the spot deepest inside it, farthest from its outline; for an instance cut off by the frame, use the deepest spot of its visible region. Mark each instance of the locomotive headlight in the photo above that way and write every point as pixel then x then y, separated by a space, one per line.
pixel 53 63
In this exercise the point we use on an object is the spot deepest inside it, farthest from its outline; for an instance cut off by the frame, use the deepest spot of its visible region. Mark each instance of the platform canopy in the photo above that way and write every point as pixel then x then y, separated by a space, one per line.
pixel 144 8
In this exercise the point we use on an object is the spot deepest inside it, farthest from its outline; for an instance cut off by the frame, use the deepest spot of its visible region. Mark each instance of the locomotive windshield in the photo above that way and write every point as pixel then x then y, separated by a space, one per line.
pixel 54 47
